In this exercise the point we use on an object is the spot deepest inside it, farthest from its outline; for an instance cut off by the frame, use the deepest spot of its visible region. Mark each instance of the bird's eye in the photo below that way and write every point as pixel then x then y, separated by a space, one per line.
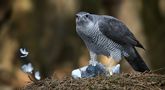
pixel 77 16
pixel 87 16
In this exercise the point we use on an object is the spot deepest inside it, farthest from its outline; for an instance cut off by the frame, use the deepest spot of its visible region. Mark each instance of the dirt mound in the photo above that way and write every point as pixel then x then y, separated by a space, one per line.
pixel 145 81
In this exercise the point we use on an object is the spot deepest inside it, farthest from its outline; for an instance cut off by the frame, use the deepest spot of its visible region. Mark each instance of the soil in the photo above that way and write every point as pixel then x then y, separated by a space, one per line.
pixel 124 81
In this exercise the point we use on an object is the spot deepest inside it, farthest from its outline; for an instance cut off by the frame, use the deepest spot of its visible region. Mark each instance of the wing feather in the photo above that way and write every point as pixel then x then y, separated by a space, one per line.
pixel 115 30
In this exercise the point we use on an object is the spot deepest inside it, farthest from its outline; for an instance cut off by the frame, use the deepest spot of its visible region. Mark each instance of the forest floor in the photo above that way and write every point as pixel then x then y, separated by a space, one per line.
pixel 124 81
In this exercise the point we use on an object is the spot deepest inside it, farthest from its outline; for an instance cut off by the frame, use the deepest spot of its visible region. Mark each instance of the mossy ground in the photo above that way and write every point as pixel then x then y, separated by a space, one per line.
pixel 124 81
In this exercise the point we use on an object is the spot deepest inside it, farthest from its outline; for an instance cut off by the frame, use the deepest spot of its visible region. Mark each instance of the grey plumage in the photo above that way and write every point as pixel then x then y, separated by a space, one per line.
pixel 108 36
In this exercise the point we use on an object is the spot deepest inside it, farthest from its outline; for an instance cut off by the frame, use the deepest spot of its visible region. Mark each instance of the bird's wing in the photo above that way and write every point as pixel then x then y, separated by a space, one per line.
pixel 115 30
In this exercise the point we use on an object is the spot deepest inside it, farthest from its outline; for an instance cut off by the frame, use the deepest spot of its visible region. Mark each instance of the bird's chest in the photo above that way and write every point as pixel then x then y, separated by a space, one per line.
pixel 101 45
pixel 96 41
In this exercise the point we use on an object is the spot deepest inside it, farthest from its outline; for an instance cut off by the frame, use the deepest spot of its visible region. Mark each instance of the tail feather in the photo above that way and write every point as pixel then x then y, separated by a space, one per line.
pixel 135 60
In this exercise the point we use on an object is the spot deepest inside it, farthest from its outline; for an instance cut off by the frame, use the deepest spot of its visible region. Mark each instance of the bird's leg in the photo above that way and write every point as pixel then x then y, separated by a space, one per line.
pixel 112 63
pixel 93 58
pixel 114 59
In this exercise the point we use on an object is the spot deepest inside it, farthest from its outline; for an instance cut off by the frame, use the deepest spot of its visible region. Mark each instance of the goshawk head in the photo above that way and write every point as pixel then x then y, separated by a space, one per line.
pixel 84 19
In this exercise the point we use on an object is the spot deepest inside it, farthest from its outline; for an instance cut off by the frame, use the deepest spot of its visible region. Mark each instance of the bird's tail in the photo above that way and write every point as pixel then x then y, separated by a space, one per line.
pixel 135 60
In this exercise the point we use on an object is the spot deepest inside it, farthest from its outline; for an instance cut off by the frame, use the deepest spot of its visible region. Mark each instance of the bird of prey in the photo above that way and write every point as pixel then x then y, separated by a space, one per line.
pixel 106 35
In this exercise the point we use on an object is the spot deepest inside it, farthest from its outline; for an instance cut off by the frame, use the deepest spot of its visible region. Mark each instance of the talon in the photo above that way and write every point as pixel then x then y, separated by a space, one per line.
pixel 93 62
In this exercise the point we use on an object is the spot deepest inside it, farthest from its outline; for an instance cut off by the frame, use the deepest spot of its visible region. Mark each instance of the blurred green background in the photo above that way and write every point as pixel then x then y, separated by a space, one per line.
pixel 47 29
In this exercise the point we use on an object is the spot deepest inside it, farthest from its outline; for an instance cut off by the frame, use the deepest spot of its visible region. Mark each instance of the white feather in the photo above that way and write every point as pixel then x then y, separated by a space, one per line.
pixel 37 75
pixel 24 52
pixel 27 68
pixel 77 72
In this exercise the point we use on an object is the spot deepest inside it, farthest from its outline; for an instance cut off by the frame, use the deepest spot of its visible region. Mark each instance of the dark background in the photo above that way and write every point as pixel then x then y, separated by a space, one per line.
pixel 47 29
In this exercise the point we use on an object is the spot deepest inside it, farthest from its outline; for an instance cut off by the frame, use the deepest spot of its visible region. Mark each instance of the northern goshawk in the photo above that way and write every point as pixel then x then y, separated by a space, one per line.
pixel 106 35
